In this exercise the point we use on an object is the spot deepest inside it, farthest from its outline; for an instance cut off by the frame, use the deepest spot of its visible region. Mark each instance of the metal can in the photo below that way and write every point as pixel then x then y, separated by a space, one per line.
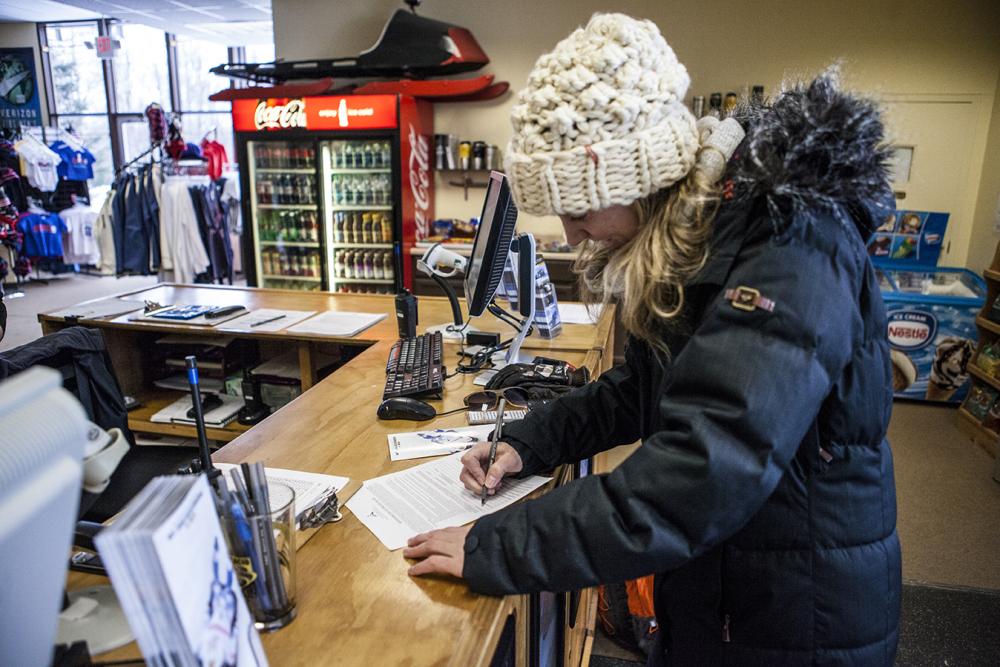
pixel 491 157
pixel 479 155
pixel 698 106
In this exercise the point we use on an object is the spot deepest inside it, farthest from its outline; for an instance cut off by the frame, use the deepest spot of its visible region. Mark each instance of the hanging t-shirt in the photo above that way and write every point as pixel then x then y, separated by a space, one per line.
pixel 76 165
pixel 215 153
pixel 80 244
pixel 42 234
pixel 39 164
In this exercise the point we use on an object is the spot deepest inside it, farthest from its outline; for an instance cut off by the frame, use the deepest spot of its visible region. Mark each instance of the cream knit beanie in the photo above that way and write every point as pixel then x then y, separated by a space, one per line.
pixel 601 121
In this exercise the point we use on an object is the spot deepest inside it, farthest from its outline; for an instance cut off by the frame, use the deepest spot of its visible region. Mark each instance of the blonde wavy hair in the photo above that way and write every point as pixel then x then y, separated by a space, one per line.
pixel 646 276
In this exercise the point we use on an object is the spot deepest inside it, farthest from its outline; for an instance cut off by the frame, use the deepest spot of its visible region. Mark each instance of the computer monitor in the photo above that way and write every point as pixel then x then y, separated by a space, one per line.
pixel 41 472
pixel 491 245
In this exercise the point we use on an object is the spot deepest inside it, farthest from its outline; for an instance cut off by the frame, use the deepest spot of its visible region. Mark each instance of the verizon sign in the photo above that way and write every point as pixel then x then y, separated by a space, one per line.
pixel 420 176
pixel 280 116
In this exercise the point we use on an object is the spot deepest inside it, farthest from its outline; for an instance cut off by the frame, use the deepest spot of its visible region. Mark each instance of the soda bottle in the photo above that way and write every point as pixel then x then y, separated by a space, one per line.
pixel 359 264
pixel 348 155
pixel 313 227
pixel 387 272
pixel 378 267
pixel 386 229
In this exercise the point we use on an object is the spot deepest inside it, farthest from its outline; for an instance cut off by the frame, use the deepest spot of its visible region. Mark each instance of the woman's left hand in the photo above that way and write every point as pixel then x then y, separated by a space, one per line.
pixel 439 551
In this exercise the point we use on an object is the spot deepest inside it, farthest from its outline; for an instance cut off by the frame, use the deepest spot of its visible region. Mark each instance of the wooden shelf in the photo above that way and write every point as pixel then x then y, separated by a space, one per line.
pixel 974 428
pixel 155 400
pixel 989 325
pixel 991 274
pixel 981 374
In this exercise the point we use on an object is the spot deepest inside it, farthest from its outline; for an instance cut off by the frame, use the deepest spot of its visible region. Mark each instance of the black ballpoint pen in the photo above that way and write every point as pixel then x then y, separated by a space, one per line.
pixel 493 443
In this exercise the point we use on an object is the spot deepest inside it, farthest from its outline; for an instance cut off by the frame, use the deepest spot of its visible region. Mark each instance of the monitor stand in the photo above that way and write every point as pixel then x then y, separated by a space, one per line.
pixel 524 246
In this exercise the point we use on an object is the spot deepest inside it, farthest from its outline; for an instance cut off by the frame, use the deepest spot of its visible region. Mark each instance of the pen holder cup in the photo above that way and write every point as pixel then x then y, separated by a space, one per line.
pixel 264 557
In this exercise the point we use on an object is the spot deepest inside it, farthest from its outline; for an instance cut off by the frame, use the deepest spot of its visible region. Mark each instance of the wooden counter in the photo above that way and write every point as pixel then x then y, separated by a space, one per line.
pixel 356 603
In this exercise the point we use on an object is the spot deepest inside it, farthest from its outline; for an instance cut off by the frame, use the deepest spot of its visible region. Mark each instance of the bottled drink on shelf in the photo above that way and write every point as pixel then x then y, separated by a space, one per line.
pixel 386 229
pixel 387 271
pixel 359 264
pixel 378 265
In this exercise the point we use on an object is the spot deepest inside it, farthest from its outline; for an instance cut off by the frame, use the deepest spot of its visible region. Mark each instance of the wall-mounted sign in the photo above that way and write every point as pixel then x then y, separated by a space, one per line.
pixel 19 101
pixel 356 112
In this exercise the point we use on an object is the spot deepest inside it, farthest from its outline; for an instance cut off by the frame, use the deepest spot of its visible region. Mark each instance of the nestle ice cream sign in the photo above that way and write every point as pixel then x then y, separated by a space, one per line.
pixel 911 329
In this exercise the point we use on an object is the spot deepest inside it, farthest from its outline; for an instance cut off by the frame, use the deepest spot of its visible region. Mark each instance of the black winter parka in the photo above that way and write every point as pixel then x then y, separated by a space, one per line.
pixel 762 494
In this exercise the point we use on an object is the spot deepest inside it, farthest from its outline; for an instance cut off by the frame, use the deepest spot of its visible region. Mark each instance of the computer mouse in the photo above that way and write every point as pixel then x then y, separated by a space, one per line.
pixel 406 408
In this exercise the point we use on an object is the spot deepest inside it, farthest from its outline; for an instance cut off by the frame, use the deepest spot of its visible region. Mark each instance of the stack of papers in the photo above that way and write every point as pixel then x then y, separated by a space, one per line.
pixel 397 506
pixel 171 570
pixel 420 444
pixel 577 313
pixel 311 488
pixel 105 308
pixel 337 323
pixel 176 412
pixel 266 320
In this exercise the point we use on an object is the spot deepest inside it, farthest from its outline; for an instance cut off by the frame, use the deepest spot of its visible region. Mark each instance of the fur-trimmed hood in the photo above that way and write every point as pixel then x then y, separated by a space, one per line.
pixel 817 147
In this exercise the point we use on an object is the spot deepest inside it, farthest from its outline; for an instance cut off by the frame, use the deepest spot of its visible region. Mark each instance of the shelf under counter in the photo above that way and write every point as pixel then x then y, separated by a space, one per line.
pixel 139 419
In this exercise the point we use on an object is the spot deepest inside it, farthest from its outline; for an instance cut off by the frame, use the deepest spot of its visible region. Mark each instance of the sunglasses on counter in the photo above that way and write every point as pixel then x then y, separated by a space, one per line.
pixel 489 399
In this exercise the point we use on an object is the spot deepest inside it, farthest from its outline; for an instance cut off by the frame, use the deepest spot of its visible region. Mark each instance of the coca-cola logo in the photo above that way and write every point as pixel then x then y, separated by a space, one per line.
pixel 420 177
pixel 280 116
pixel 911 329
pixel 342 113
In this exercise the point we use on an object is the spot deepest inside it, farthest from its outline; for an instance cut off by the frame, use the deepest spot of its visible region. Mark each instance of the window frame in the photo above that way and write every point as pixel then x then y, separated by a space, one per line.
pixel 115 118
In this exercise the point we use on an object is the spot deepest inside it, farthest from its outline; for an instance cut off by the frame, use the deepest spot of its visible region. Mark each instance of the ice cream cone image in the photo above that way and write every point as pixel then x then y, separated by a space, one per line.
pixel 948 372
pixel 904 373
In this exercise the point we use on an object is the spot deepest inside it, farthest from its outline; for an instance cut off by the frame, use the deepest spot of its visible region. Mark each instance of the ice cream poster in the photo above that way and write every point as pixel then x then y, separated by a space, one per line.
pixel 909 239
pixel 19 99
pixel 932 346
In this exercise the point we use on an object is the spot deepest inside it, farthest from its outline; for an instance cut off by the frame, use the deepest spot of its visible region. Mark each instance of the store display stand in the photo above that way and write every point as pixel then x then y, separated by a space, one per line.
pixel 989 332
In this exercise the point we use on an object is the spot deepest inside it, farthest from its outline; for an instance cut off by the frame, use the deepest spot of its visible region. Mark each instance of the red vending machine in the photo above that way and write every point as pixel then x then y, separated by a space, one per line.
pixel 337 189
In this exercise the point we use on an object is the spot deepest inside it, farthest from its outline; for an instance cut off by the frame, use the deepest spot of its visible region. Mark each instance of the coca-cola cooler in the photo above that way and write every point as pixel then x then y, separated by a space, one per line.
pixel 338 189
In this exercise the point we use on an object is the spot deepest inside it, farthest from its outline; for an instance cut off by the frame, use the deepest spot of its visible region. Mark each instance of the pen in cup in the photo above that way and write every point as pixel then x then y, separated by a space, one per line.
pixel 494 439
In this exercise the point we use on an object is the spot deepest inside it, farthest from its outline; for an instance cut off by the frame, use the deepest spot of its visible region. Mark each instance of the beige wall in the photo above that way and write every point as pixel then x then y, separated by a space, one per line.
pixel 987 216
pixel 889 46
pixel 25 34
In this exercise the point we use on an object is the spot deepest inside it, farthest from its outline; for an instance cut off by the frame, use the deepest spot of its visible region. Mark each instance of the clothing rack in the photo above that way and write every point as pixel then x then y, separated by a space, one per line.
pixel 149 151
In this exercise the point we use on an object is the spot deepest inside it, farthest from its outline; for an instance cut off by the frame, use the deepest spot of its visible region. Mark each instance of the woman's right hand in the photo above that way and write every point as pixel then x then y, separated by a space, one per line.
pixel 476 461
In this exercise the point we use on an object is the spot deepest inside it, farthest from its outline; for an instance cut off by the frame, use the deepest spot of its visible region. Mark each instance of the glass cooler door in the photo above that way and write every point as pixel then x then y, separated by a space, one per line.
pixel 358 214
pixel 289 241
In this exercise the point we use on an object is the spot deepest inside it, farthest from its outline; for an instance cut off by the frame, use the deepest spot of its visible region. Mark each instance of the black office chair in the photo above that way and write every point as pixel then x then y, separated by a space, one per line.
pixel 81 355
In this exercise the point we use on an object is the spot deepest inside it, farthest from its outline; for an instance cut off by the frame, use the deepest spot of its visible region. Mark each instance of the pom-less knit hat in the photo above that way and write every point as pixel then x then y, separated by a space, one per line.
pixel 601 121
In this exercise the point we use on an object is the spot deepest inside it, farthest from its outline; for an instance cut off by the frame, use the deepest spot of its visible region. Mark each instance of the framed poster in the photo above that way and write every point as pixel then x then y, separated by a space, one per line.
pixel 20 103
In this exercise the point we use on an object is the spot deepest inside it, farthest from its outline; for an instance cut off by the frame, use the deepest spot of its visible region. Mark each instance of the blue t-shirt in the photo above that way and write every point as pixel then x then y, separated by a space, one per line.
pixel 76 165
pixel 42 234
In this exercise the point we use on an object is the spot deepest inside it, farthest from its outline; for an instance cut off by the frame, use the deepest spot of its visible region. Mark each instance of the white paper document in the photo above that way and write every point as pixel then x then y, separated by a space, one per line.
pixel 420 444
pixel 577 313
pixel 263 320
pixel 98 309
pixel 337 323
pixel 398 506
pixel 310 487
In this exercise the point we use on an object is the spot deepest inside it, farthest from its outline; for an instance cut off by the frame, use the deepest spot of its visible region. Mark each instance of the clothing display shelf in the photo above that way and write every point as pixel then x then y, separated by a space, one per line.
pixel 989 333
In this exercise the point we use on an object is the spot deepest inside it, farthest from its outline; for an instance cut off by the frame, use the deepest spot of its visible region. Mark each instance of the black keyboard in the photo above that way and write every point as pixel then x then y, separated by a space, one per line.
pixel 414 367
